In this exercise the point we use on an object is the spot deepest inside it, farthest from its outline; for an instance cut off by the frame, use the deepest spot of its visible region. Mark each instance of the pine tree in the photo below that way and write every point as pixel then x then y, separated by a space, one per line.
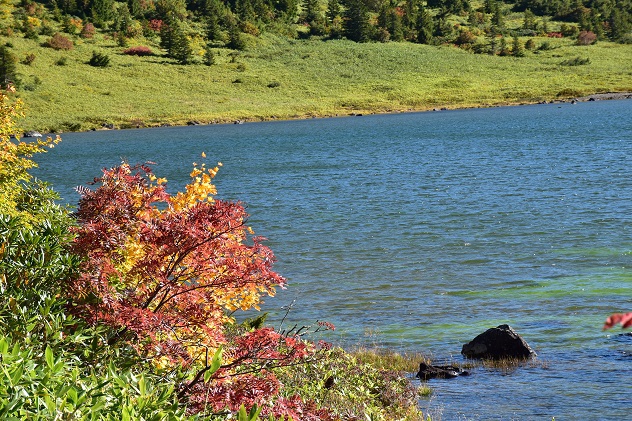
pixel 425 26
pixel 356 26
pixel 173 38
pixel 517 50
pixel 8 75
pixel 333 10
pixel 389 20
pixel 209 56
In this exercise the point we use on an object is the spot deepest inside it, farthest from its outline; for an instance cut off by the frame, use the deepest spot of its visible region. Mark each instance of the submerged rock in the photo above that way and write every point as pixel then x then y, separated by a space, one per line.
pixel 427 371
pixel 498 343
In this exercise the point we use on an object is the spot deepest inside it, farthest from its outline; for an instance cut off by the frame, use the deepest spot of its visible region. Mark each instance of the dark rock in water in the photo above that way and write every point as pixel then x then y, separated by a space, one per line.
pixel 193 123
pixel 427 371
pixel 498 343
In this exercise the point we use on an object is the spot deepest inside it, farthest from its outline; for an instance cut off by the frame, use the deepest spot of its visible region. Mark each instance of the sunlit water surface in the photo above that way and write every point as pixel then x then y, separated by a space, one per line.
pixel 419 231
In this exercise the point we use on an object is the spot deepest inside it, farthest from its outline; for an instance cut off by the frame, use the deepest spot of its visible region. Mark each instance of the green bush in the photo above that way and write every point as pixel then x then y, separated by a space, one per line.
pixel 576 61
pixel 99 60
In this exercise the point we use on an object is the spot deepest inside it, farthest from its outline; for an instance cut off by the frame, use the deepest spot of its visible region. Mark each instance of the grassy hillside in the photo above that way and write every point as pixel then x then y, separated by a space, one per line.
pixel 281 78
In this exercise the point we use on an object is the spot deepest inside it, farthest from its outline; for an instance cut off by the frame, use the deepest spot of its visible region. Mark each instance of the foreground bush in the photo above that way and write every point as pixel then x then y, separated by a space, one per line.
pixel 125 309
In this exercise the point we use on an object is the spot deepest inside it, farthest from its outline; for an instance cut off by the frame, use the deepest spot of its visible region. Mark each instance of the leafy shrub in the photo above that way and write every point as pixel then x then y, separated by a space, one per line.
pixel 88 30
pixel 545 46
pixel 139 50
pixel 274 84
pixel 569 30
pixel 576 61
pixel 353 389
pixel 59 42
pixel 61 61
pixel 28 59
pixel 33 85
pixel 586 38
pixel 465 37
pixel 99 60
pixel 530 44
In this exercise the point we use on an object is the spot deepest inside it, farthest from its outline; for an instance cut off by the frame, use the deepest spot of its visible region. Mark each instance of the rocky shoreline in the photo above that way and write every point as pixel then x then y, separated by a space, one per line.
pixel 447 107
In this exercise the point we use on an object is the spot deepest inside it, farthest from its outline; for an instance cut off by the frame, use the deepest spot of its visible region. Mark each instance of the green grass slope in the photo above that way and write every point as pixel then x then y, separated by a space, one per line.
pixel 283 78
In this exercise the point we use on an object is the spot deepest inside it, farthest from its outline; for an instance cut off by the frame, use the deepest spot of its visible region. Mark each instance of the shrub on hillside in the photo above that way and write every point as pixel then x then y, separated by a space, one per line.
pixel 577 61
pixel 99 60
pixel 88 30
pixel 29 59
pixel 586 38
pixel 59 42
pixel 139 50
pixel 569 30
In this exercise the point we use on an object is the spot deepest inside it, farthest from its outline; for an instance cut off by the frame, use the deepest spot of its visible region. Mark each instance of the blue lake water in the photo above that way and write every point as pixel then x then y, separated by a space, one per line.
pixel 419 231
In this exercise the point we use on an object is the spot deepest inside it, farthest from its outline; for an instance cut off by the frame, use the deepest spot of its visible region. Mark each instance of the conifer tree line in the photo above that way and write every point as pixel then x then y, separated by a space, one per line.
pixel 225 23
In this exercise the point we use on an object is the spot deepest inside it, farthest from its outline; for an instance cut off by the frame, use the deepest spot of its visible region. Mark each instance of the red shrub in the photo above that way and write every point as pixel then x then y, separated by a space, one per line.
pixel 139 50
pixel 59 42
pixel 554 35
pixel 88 30
pixel 155 25
pixel 586 38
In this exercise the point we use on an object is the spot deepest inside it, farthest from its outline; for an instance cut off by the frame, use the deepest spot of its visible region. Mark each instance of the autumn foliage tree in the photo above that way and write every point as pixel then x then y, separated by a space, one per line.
pixel 166 272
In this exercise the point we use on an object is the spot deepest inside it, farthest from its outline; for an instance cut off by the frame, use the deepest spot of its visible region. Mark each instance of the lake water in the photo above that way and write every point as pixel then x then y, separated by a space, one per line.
pixel 419 231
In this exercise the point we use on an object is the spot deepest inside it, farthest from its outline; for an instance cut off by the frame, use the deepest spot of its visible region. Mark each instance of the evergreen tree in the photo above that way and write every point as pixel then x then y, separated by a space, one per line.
pixel 356 25
pixel 209 56
pixel 311 11
pixel 389 20
pixel 517 50
pixel 8 72
pixel 504 48
pixel 409 20
pixel 135 7
pixel 102 11
pixel 173 38
pixel 425 25
pixel 123 19
pixel 333 10
pixel 618 24
pixel 529 20
pixel 493 42
pixel 213 13
pixel 313 17
pixel 181 49
pixel 288 10
pixel 236 41
pixel 497 16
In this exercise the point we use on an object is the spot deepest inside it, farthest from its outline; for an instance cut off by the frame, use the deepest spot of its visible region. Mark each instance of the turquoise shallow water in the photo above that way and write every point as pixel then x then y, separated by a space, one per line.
pixel 419 231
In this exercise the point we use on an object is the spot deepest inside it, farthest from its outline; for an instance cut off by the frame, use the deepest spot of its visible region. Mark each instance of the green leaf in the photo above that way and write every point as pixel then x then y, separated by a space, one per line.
pixel 142 387
pixel 17 374
pixel 48 354
pixel 216 363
